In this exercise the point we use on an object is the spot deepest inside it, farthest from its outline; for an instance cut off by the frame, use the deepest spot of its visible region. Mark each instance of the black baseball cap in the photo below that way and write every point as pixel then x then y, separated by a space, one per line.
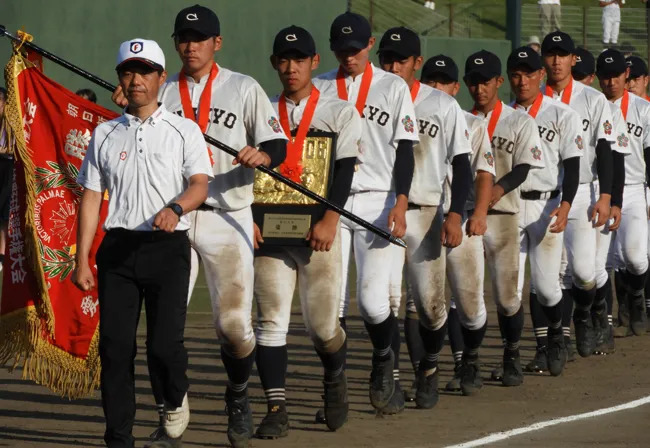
pixel 482 66
pixel 524 57
pixel 637 66
pixel 294 39
pixel 585 63
pixel 610 63
pixel 557 40
pixel 439 66
pixel 349 31
pixel 197 18
pixel 401 41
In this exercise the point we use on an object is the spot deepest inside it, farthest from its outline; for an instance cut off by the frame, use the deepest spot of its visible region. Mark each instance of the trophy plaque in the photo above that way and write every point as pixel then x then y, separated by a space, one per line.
pixel 285 215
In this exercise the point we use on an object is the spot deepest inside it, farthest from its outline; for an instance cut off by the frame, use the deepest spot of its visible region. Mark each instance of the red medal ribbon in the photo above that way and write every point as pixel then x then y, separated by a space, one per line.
pixel 494 119
pixel 566 93
pixel 625 103
pixel 204 101
pixel 415 88
pixel 647 98
pixel 363 91
pixel 291 167
pixel 534 109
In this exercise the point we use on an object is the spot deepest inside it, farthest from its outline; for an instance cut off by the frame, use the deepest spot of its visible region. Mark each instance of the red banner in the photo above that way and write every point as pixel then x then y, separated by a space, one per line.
pixel 46 323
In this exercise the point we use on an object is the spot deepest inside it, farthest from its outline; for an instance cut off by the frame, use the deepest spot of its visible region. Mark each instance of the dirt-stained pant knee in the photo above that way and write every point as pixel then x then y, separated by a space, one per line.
pixel 501 243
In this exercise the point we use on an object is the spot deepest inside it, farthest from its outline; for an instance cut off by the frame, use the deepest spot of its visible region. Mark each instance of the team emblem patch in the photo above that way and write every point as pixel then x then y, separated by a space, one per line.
pixel 537 153
pixel 607 127
pixel 489 158
pixel 466 134
pixel 623 141
pixel 409 126
pixel 273 122
pixel 135 47
pixel 123 155
pixel 579 143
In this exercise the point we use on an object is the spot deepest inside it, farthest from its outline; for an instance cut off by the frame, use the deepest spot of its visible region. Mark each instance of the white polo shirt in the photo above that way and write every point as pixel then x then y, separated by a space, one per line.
pixel 143 165
pixel 388 117
pixel 240 115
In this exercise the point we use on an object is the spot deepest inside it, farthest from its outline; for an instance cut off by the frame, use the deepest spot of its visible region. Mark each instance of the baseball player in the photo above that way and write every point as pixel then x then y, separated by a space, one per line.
pixel 637 82
pixel 465 263
pixel 611 20
pixel 585 72
pixel 233 109
pixel 586 238
pixel 516 149
pixel 612 72
pixel 444 145
pixel 544 214
pixel 317 267
pixel 379 191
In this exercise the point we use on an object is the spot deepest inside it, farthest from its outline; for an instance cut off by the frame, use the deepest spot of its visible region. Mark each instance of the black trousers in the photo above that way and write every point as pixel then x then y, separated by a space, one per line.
pixel 132 267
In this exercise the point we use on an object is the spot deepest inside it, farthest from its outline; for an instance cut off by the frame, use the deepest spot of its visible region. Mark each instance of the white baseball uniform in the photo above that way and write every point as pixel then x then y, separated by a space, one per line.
pixel 222 233
pixel 560 136
pixel 388 117
pixel 611 20
pixel 318 273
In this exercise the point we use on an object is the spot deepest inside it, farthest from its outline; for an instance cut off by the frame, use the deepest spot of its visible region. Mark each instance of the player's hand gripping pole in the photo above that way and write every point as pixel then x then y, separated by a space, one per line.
pixel 296 186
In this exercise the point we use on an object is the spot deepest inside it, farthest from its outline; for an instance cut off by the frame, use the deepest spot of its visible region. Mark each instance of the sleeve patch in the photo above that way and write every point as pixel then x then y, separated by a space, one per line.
pixel 275 125
pixel 623 140
pixel 537 153
pixel 409 126
pixel 489 158
pixel 607 127
pixel 579 142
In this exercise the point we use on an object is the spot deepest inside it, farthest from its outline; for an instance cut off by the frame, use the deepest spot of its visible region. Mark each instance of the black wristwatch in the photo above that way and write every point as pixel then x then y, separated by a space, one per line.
pixel 176 209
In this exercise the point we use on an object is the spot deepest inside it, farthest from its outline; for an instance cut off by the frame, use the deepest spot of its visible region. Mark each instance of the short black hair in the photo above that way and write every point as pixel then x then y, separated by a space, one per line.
pixel 3 93
pixel 89 94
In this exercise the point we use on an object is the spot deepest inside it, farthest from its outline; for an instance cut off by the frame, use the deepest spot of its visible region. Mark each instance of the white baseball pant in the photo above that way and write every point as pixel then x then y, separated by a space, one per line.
pixel 223 242
pixel 611 23
pixel 501 243
pixel 633 229
pixel 396 276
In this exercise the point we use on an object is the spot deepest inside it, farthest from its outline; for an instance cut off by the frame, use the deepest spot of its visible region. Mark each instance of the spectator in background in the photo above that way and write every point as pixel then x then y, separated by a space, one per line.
pixel 87 94
pixel 549 16
pixel 611 21
pixel 637 80
pixel 6 178
pixel 534 43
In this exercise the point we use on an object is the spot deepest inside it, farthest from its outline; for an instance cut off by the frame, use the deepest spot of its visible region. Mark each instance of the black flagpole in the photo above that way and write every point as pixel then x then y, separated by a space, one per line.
pixel 222 146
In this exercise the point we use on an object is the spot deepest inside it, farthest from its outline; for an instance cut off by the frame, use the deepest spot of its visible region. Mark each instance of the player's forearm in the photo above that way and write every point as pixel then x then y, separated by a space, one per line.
pixel 276 150
pixel 195 194
pixel 461 183
pixel 618 183
pixel 604 166
pixel 571 179
pixel 483 187
pixel 514 178
pixel 89 208
pixel 404 166
pixel 342 180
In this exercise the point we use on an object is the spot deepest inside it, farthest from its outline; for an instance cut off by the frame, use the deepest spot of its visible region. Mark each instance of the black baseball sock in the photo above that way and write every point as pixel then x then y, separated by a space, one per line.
pixel 540 322
pixel 473 340
pixel 636 283
pixel 395 344
pixel 381 336
pixel 609 299
pixel 455 334
pixel 511 328
pixel 414 343
pixel 238 370
pixel 584 298
pixel 567 313
pixel 554 316
pixel 333 363
pixel 272 369
pixel 433 341
pixel 620 283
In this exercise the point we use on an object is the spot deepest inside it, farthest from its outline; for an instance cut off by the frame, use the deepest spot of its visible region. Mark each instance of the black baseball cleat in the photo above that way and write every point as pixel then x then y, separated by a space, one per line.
pixel 584 332
pixel 336 403
pixel 512 372
pixel 497 373
pixel 556 354
pixel 240 420
pixel 274 425
pixel 570 349
pixel 382 383
pixel 637 314
pixel 470 377
pixel 602 331
pixel 426 396
pixel 539 363
pixel 396 403
pixel 409 394
pixel 454 383
pixel 160 439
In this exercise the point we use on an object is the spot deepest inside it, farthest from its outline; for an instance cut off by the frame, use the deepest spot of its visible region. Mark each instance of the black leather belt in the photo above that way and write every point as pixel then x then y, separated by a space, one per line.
pixel 205 207
pixel 537 195
pixel 412 206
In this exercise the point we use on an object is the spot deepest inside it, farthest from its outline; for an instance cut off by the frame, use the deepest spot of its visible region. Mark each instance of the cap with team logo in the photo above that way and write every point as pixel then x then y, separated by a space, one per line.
pixel 349 31
pixel 637 66
pixel 610 63
pixel 524 57
pixel 141 50
pixel 294 39
pixel 557 40
pixel 197 18
pixel 439 66
pixel 482 66
pixel 401 41
pixel 585 63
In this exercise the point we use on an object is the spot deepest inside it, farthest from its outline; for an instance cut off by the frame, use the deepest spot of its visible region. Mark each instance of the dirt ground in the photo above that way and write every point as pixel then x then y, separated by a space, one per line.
pixel 31 416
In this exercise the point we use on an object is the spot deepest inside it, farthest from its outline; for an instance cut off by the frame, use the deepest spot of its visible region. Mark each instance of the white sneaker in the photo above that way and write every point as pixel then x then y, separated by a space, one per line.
pixel 176 420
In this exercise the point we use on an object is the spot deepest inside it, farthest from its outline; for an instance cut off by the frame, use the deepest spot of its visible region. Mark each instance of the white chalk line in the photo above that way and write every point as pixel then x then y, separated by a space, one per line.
pixel 499 436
